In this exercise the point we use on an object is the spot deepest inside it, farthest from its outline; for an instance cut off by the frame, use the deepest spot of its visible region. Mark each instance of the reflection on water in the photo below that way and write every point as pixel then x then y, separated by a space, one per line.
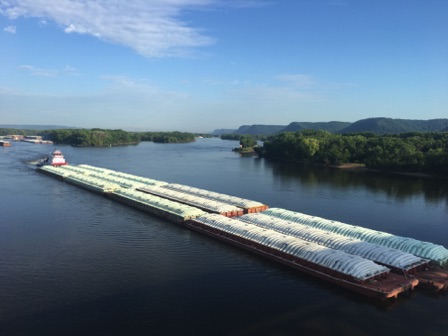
pixel 395 186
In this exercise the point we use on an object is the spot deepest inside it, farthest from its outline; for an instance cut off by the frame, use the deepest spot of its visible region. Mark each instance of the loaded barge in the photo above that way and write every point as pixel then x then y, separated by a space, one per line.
pixel 372 267
pixel 352 272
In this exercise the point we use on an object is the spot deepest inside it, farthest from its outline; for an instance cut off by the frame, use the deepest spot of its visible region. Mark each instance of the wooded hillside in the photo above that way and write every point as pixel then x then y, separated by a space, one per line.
pixel 409 152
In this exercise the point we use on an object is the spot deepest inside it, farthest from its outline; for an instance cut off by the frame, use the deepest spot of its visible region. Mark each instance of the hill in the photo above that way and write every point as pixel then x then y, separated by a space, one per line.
pixel 371 125
pixel 35 127
pixel 259 129
pixel 331 126
pixel 222 131
pixel 396 126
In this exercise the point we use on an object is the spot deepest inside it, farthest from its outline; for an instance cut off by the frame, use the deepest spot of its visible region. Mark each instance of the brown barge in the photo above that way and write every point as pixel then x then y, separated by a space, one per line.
pixel 5 143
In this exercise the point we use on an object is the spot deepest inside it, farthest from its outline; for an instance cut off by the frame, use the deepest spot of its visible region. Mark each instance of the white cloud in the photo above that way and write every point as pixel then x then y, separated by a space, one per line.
pixel 151 27
pixel 10 29
pixel 68 70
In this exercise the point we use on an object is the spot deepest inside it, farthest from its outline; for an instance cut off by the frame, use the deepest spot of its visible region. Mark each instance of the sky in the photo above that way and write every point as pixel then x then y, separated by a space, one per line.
pixel 201 65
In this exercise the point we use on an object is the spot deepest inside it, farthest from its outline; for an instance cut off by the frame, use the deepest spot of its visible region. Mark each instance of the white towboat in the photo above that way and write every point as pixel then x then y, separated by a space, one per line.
pixel 56 159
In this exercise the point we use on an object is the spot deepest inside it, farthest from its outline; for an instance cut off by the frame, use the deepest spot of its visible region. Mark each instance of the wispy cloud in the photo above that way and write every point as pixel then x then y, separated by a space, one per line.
pixel 8 91
pixel 35 71
pixel 42 22
pixel 279 94
pixel 126 86
pixel 295 88
pixel 124 102
pixel 298 80
pixel 10 29
pixel 153 28
pixel 69 70
pixel 38 71
pixel 247 3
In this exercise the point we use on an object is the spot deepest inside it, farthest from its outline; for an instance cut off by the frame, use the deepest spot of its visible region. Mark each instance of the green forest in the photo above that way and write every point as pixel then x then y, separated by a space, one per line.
pixel 97 137
pixel 91 137
pixel 167 137
pixel 407 152
pixel 238 136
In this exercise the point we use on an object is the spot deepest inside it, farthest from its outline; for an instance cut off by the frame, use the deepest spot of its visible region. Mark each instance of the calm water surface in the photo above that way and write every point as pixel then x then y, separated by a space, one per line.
pixel 74 263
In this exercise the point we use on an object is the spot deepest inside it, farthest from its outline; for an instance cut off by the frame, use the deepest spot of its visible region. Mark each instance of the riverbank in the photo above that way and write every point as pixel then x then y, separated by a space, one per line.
pixel 359 167
pixel 244 150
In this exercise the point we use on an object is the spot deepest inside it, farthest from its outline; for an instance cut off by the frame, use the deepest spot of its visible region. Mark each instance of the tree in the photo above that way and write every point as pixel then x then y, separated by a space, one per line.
pixel 247 141
pixel 309 147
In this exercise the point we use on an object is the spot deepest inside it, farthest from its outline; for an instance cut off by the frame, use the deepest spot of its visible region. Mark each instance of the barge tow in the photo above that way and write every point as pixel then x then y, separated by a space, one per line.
pixel 375 264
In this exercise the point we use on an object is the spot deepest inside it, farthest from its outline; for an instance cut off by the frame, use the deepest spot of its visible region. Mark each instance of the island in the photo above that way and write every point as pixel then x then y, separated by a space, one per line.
pixel 97 137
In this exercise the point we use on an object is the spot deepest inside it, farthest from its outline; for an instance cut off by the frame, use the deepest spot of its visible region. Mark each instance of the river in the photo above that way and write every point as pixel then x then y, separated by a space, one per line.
pixel 76 263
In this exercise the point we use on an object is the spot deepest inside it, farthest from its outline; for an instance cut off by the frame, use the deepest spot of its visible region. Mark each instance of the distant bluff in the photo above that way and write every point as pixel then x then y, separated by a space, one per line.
pixel 373 125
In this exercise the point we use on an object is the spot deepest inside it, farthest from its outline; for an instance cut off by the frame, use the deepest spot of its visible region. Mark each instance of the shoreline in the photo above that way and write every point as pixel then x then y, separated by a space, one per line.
pixel 359 167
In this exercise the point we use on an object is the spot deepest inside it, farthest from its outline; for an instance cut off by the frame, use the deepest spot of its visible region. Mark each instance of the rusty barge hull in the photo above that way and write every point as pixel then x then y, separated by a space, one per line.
pixel 433 278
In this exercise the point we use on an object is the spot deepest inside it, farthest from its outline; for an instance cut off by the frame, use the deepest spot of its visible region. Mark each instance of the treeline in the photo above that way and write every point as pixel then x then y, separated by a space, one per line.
pixel 94 137
pixel 97 137
pixel 408 152
pixel 237 137
pixel 15 131
pixel 167 137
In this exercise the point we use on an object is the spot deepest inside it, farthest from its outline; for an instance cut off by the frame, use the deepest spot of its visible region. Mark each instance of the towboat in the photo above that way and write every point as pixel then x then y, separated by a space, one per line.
pixel 56 159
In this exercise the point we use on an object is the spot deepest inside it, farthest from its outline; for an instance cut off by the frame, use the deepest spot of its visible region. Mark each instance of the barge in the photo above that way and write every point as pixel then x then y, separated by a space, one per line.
pixel 154 205
pixel 248 206
pixel 399 262
pixel 329 250
pixel 5 143
pixel 437 254
pixel 352 272
pixel 209 205
pixel 433 276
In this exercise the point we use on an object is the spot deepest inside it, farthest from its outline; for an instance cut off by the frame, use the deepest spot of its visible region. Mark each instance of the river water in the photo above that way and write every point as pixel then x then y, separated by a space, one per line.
pixel 76 263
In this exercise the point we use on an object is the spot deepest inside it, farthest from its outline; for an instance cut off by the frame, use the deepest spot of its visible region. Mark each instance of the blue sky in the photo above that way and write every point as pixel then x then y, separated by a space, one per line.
pixel 199 65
